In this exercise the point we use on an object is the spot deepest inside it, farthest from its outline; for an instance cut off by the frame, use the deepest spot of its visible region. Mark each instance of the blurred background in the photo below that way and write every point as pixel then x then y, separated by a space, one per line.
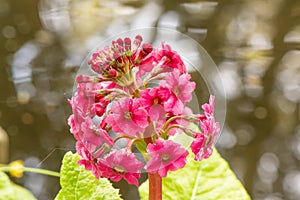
pixel 255 44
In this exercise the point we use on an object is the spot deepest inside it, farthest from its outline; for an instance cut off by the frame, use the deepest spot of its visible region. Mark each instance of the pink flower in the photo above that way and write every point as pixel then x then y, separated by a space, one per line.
pixel 120 164
pixel 181 88
pixel 209 108
pixel 74 127
pixel 95 135
pixel 128 117
pixel 169 57
pixel 85 79
pixel 157 116
pixel 154 96
pixel 165 156
pixel 149 97
pixel 87 159
pixel 202 146
pixel 82 102
pixel 209 126
pixel 198 147
pixel 152 100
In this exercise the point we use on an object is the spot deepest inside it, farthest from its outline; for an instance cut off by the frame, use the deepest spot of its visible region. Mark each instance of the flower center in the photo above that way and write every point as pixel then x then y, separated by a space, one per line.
pixel 165 157
pixel 155 101
pixel 176 90
pixel 127 115
pixel 119 169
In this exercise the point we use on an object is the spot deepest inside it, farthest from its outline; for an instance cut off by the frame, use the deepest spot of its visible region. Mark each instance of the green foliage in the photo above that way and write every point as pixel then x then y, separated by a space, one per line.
pixel 208 179
pixel 78 183
pixel 11 191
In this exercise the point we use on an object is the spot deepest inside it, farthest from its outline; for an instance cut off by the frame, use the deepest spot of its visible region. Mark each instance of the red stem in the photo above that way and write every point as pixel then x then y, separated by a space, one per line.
pixel 155 186
pixel 155 182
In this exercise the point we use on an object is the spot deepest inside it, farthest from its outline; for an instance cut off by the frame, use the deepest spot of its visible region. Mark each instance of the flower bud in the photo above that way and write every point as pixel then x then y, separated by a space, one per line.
pixel 127 42
pixel 137 42
pixel 120 42
pixel 84 79
pixel 112 73
pixel 99 109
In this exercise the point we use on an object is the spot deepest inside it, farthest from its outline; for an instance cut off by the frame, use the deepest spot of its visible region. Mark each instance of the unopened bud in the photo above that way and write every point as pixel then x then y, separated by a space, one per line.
pixel 112 73
pixel 120 42
pixel 99 109
pixel 147 48
pixel 137 42
pixel 127 42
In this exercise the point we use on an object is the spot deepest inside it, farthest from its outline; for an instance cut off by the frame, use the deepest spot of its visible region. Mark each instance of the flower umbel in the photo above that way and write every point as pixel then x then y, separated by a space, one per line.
pixel 126 112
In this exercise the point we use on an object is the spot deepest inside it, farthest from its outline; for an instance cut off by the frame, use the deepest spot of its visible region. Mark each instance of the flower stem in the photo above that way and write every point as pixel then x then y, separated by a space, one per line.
pixel 155 182
pixel 155 186
pixel 34 170
pixel 123 136
pixel 171 119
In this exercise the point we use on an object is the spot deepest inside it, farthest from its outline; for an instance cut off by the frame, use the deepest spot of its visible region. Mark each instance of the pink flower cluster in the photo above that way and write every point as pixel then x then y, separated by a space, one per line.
pixel 137 95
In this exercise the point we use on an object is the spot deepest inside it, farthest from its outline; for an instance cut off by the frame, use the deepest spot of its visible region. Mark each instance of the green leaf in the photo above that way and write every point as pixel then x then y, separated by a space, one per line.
pixel 209 179
pixel 11 191
pixel 78 183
